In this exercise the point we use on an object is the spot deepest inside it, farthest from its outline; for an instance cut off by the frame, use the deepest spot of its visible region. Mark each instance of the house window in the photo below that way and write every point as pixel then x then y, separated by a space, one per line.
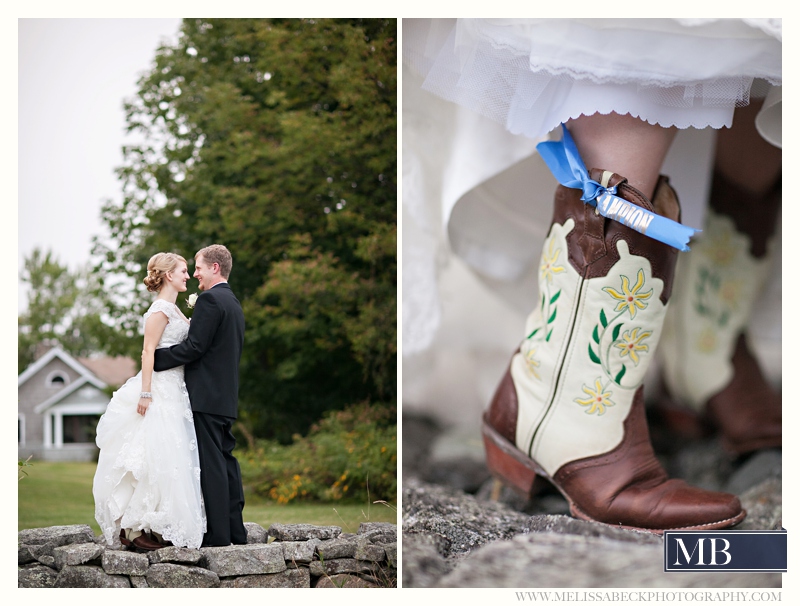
pixel 80 429
pixel 57 379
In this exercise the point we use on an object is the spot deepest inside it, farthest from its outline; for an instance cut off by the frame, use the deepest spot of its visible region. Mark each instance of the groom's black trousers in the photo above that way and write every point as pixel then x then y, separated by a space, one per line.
pixel 220 480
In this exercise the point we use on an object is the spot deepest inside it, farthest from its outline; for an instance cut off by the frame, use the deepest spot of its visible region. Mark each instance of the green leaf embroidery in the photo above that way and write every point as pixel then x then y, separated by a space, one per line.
pixel 595 336
pixel 535 330
pixel 552 316
pixel 548 335
pixel 593 355
pixel 619 376
pixel 615 334
pixel 555 297
pixel 603 320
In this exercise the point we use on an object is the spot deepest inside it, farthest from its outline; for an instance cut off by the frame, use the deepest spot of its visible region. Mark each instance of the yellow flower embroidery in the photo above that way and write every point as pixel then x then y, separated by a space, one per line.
pixel 630 297
pixel 722 249
pixel 730 292
pixel 706 341
pixel 598 399
pixel 632 343
pixel 549 259
pixel 532 362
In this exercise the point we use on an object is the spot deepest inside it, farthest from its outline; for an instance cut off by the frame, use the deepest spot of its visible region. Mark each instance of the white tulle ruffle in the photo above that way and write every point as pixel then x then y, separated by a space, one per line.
pixel 533 74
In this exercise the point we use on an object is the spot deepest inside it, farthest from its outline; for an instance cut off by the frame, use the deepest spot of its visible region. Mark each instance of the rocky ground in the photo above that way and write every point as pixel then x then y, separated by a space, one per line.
pixel 284 555
pixel 455 535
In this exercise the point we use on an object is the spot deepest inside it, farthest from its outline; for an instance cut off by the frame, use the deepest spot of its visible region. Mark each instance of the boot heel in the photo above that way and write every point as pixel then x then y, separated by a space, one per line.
pixel 507 464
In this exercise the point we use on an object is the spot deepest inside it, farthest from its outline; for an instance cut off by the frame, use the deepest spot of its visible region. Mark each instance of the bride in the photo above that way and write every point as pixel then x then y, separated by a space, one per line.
pixel 147 483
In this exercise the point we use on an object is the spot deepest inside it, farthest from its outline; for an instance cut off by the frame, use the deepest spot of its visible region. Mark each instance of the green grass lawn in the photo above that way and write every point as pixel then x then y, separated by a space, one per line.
pixel 56 494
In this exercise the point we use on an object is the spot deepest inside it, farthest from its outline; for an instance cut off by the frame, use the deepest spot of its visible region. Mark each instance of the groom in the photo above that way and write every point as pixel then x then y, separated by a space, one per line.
pixel 211 355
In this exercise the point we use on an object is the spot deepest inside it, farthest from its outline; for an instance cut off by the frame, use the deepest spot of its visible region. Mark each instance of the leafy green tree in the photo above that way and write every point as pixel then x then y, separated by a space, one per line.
pixel 277 138
pixel 63 307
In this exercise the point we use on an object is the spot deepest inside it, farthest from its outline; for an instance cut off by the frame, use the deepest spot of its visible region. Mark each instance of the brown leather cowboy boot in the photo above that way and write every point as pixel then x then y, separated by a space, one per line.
pixel 570 407
pixel 712 380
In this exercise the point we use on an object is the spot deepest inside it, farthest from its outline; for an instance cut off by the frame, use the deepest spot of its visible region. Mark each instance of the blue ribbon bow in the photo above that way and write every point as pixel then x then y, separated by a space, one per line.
pixel 564 161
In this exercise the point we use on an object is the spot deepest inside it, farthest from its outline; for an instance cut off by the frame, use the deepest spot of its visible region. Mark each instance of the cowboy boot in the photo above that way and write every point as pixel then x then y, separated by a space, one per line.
pixel 711 379
pixel 570 407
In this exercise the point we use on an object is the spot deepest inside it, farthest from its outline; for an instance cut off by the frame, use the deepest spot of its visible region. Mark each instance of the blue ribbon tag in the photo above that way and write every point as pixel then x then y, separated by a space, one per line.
pixel 564 161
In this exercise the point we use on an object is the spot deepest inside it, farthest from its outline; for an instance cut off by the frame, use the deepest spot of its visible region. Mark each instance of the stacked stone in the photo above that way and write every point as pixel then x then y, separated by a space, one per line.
pixel 285 555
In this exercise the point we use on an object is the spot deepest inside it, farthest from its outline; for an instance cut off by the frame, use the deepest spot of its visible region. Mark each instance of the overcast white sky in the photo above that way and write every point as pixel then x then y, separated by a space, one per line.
pixel 73 77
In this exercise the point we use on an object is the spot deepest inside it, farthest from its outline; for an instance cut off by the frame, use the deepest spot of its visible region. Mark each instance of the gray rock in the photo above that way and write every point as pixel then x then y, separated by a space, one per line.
pixel 288 564
pixel 546 501
pixel 303 532
pixel 337 548
pixel 764 505
pixel 759 467
pixel 125 562
pixel 42 550
pixel 462 474
pixel 24 555
pixel 344 581
pixel 378 532
pixel 293 578
pixel 457 460
pixel 378 537
pixel 365 550
pixel 176 575
pixel 89 576
pixel 175 555
pixel 556 560
pixel 390 549
pixel 76 554
pixel 494 491
pixel 702 463
pixel 452 539
pixel 464 521
pixel 299 551
pixel 255 533
pixel 36 576
pixel 139 582
pixel 568 525
pixel 239 560
pixel 423 561
pixel 344 565
pixel 58 535
pixel 419 434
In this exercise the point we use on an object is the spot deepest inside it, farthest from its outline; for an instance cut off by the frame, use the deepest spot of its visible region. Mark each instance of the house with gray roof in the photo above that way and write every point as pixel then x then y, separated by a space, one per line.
pixel 61 399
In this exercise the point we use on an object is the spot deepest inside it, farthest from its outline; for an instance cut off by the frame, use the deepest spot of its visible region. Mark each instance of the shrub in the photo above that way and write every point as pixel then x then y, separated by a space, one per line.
pixel 350 455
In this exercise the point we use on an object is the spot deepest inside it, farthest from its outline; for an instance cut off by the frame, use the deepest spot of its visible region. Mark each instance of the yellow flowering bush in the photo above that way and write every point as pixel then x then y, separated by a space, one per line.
pixel 350 455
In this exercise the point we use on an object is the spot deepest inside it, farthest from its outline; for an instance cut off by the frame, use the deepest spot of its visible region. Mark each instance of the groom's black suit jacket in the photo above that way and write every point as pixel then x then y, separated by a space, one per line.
pixel 211 352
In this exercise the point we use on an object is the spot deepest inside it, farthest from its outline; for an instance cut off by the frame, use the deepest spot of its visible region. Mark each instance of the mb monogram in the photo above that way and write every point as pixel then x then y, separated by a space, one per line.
pixel 725 551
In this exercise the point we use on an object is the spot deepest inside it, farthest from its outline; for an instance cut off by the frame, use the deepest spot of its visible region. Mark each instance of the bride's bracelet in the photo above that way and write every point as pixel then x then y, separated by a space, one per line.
pixel 146 394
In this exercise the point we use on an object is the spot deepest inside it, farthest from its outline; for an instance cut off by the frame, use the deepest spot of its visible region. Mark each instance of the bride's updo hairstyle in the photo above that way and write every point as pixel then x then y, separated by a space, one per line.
pixel 158 267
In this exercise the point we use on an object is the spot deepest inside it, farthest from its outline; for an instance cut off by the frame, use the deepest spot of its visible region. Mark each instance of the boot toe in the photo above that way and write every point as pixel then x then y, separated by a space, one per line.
pixel 685 507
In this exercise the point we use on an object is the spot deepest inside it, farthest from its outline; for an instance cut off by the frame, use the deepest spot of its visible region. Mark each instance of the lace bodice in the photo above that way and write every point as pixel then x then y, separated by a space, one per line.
pixel 178 327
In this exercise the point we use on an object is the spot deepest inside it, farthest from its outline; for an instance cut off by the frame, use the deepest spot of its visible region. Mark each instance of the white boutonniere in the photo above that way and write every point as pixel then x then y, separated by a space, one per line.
pixel 191 300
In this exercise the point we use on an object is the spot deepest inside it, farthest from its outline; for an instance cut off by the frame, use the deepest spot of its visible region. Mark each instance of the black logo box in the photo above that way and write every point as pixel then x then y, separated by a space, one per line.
pixel 725 551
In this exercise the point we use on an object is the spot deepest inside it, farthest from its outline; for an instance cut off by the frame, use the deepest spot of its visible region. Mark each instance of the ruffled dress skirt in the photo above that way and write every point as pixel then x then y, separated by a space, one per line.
pixel 148 472
pixel 533 74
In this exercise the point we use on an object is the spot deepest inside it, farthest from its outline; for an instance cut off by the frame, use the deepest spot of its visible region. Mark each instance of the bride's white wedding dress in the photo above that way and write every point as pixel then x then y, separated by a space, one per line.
pixel 148 473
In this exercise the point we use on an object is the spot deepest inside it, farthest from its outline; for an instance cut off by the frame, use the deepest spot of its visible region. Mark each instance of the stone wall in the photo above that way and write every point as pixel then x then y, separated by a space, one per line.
pixel 285 555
